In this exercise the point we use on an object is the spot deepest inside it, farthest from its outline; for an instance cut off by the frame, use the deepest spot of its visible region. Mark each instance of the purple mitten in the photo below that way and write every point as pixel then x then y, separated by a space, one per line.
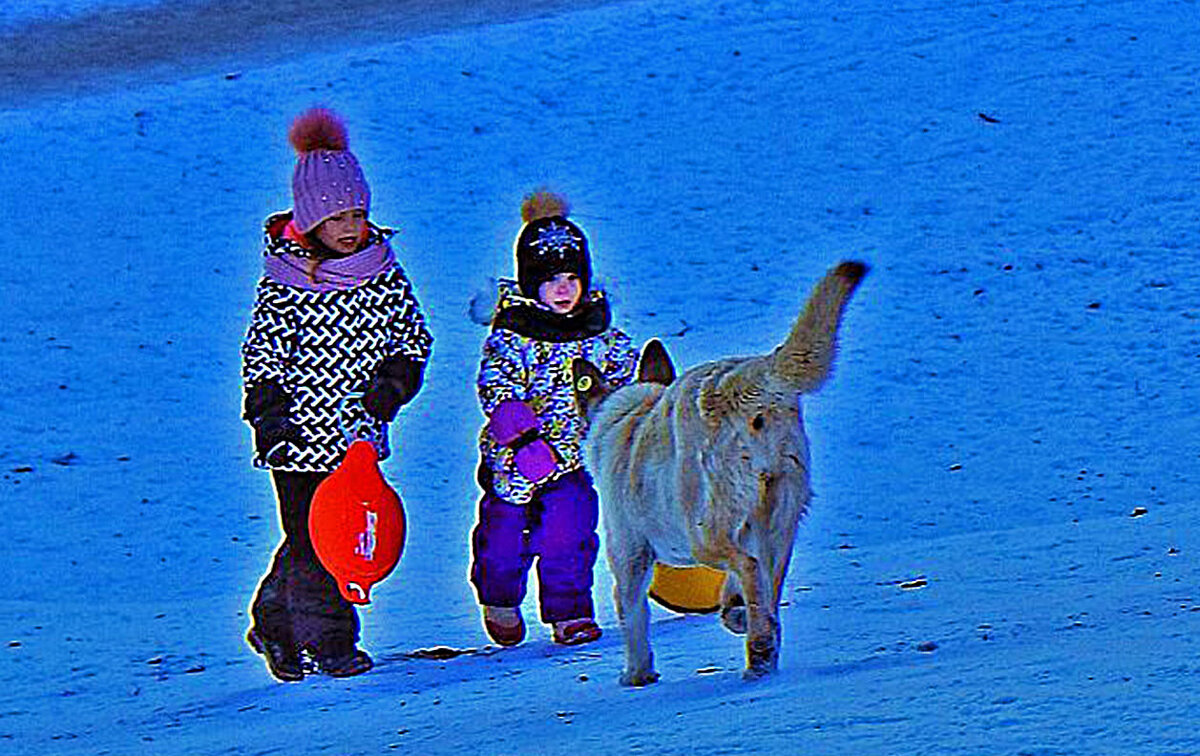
pixel 515 425
pixel 535 460
pixel 512 419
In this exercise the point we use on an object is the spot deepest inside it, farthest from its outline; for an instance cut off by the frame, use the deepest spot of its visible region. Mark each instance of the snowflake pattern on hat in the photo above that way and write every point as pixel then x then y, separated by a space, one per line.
pixel 555 240
pixel 547 247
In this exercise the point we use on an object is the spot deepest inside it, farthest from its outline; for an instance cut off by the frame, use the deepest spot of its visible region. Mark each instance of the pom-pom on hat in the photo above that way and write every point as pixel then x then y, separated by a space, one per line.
pixel 549 244
pixel 328 179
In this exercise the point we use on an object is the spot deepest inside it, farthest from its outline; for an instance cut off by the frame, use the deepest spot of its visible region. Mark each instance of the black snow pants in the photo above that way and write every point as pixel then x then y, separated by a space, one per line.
pixel 298 601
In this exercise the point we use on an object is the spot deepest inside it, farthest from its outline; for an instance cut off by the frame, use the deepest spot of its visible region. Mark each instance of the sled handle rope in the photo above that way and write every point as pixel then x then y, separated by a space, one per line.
pixel 271 452
pixel 363 428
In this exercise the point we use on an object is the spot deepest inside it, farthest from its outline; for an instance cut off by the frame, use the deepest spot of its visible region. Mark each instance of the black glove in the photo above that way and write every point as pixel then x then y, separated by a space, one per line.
pixel 263 400
pixel 395 384
pixel 271 437
pixel 267 408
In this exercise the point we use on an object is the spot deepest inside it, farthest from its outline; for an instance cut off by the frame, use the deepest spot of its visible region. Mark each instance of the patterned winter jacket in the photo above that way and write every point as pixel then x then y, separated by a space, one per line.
pixel 317 335
pixel 527 357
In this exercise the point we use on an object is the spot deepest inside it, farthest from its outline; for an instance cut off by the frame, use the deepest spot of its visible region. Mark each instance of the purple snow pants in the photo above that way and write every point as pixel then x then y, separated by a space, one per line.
pixel 559 528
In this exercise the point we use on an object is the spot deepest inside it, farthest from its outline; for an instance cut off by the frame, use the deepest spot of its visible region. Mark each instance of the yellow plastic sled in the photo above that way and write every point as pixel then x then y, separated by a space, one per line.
pixel 688 590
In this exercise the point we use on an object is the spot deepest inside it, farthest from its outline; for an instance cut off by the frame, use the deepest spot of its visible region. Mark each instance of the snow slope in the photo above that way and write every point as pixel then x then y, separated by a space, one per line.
pixel 1009 433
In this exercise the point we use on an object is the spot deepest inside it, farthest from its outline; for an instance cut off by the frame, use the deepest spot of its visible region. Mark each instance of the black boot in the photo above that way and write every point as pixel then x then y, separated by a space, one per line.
pixel 344 660
pixel 283 660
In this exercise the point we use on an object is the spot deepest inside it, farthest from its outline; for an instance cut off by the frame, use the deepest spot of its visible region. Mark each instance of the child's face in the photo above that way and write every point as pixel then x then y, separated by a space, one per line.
pixel 343 232
pixel 561 293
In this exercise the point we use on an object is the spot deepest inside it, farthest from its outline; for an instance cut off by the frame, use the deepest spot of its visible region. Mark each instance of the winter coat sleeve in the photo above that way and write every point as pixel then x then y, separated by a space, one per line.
pixel 266 353
pixel 409 334
pixel 503 376
pixel 619 362
pixel 401 375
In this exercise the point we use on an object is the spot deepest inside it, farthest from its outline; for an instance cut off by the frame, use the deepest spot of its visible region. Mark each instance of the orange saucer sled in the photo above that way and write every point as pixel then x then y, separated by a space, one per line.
pixel 688 590
pixel 357 524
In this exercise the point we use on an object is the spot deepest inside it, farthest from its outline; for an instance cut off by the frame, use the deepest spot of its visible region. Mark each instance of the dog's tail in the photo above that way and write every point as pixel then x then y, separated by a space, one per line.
pixel 805 359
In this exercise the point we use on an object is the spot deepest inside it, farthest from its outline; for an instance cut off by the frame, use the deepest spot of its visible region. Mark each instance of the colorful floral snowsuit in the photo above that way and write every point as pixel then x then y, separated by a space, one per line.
pixel 527 357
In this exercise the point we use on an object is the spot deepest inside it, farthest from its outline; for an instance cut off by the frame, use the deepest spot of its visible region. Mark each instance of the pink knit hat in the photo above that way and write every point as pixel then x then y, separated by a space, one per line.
pixel 328 178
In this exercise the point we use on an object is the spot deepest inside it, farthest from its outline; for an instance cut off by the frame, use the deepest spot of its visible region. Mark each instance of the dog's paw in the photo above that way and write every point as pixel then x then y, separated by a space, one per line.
pixel 761 659
pixel 639 679
pixel 756 673
pixel 734 619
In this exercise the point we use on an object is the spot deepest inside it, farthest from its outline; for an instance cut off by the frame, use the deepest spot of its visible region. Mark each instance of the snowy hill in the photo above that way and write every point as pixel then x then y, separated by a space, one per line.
pixel 1002 558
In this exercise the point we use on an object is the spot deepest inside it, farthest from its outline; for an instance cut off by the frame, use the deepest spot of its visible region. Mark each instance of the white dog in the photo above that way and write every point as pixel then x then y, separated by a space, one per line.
pixel 711 468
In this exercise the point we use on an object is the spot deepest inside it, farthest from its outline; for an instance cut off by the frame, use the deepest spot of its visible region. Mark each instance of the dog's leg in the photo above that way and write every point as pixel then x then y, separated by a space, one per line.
pixel 733 605
pixel 775 552
pixel 631 568
pixel 777 575
pixel 762 624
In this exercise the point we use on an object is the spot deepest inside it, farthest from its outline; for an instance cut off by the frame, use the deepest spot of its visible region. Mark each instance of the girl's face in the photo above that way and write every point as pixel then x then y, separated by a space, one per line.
pixel 343 232
pixel 561 293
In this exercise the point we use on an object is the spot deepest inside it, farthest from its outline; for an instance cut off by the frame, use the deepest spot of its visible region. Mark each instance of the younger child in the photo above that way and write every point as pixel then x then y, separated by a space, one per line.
pixel 334 315
pixel 538 501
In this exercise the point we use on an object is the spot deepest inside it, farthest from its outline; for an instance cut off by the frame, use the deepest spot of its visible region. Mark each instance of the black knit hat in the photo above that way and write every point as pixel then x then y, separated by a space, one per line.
pixel 550 244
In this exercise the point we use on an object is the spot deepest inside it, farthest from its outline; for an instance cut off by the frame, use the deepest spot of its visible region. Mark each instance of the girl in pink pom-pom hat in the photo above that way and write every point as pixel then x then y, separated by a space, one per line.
pixel 337 341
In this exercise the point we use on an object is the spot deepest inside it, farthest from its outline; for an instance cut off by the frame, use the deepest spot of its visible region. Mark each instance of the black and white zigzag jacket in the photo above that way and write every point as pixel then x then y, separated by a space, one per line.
pixel 307 350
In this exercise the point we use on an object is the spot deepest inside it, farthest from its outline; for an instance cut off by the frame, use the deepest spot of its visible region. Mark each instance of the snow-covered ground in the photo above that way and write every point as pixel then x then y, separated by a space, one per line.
pixel 1012 420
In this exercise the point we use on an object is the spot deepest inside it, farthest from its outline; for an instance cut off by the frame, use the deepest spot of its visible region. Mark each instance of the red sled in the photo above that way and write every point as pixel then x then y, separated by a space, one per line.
pixel 357 524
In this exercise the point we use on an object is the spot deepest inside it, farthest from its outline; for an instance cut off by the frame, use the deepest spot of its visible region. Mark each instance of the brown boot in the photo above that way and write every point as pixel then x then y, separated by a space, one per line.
pixel 504 624
pixel 346 661
pixel 576 632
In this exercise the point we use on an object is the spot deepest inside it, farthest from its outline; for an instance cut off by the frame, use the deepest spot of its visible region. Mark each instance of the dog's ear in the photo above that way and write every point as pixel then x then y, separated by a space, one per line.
pixel 589 386
pixel 655 365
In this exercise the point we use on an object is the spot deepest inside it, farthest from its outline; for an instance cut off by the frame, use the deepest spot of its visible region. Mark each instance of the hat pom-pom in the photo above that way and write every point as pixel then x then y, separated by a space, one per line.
pixel 544 204
pixel 318 129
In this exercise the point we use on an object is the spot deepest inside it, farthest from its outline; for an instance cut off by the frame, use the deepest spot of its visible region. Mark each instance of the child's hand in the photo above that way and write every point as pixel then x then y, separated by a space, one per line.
pixel 515 425
pixel 535 460
pixel 381 402
pixel 272 434
pixel 397 381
